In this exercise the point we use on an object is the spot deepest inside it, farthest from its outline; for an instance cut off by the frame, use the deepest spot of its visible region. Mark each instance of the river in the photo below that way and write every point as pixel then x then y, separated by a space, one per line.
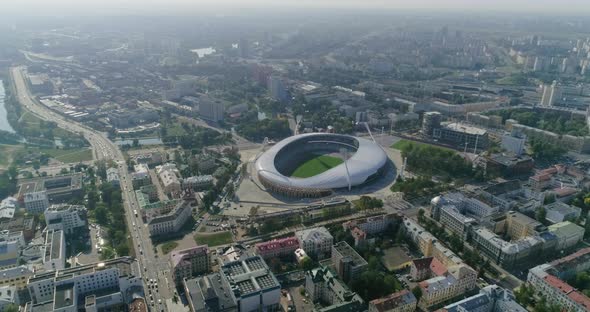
pixel 4 125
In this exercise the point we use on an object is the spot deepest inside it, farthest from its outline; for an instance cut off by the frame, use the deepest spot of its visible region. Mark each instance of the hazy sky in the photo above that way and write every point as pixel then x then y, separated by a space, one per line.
pixel 41 7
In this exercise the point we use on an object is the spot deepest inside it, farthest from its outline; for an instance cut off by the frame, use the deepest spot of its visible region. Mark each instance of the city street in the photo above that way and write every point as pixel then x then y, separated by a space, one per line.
pixel 153 268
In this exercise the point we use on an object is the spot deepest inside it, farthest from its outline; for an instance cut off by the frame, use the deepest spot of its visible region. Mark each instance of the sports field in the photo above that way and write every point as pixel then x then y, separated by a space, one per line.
pixel 316 166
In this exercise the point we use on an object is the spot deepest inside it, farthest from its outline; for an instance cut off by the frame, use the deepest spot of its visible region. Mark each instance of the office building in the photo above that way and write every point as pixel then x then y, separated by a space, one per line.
pixel 514 143
pixel 245 285
pixel 189 262
pixel 67 218
pixel 54 250
pixel 431 121
pixel 109 284
pixel 324 288
pixel 172 221
pixel 58 189
pixel 348 263
pixel 317 242
pixel 36 202
pixel 282 247
pixel 462 136
pixel 277 89
pixel 211 109
pixel 401 301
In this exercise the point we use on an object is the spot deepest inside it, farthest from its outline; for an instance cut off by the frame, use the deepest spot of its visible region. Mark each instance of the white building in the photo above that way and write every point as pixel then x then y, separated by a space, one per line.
pixel 10 247
pixel 100 285
pixel 54 250
pixel 316 242
pixel 211 109
pixel 7 207
pixel 172 221
pixel 113 176
pixel 67 218
pixel 36 202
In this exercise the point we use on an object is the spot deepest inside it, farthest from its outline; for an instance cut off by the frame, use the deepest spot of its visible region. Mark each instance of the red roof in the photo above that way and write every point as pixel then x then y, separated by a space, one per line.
pixel 580 299
pixel 438 268
pixel 571 257
pixel 278 244
pixel 558 284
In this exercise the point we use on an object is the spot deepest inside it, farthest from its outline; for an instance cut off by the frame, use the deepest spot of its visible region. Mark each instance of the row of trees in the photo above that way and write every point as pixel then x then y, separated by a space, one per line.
pixel 418 187
pixel 550 121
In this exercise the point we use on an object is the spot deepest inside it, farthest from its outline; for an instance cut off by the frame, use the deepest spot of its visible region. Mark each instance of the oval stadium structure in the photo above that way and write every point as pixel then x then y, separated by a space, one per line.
pixel 364 160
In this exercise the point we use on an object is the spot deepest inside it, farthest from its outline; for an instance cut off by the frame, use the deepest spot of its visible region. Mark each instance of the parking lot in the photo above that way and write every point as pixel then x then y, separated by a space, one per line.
pixel 93 255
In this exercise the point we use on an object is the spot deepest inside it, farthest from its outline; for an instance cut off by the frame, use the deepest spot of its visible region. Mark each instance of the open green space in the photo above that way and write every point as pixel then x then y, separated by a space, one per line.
pixel 316 166
pixel 168 247
pixel 215 239
pixel 72 155
pixel 404 144
pixel 7 154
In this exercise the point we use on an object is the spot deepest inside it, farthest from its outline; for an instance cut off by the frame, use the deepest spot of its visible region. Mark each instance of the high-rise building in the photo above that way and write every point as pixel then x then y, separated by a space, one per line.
pixel 210 109
pixel 277 89
pixel 551 94
pixel 430 122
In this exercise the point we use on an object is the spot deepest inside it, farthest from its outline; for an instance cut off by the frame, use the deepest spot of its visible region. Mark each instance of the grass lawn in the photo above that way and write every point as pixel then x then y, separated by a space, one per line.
pixel 316 166
pixel 168 247
pixel 215 239
pixel 7 154
pixel 73 155
pixel 403 144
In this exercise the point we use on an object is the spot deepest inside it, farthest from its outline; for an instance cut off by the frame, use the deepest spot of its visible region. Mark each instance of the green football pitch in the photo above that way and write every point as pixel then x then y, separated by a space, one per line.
pixel 316 166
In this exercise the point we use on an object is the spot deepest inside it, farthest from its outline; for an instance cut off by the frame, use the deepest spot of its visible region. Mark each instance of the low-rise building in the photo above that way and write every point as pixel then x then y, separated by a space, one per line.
pixel 169 179
pixel 281 247
pixel 15 276
pixel 189 262
pixel 109 284
pixel 8 297
pixel 508 165
pixel 67 218
pixel 520 226
pixel 401 301
pixel 7 208
pixel 371 225
pixel 317 242
pixel 348 263
pixel 172 221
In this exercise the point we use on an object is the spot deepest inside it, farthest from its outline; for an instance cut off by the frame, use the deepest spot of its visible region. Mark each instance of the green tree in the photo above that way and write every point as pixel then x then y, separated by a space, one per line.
pixel 307 264
pixel 417 291
pixel 541 215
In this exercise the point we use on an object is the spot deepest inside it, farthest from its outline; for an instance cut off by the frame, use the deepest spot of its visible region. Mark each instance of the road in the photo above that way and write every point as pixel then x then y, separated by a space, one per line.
pixel 152 266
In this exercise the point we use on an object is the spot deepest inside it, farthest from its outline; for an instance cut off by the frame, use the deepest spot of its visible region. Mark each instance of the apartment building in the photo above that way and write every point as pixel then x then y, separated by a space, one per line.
pixel 189 262
pixel 317 242
pixel 348 263
pixel 401 301
pixel 172 221
pixel 282 247
pixel 325 289
pixel 491 298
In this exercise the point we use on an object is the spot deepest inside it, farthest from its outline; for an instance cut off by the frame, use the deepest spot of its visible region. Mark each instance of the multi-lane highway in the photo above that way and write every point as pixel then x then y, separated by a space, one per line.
pixel 156 271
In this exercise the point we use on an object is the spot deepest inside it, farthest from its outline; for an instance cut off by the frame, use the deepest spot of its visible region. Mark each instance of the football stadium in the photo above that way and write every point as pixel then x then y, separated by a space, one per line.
pixel 316 164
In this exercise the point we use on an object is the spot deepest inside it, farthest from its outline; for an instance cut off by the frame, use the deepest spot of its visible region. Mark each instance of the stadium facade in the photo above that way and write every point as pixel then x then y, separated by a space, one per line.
pixel 364 160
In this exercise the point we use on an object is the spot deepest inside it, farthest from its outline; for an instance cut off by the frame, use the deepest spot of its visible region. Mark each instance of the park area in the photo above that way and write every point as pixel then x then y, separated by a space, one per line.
pixel 316 166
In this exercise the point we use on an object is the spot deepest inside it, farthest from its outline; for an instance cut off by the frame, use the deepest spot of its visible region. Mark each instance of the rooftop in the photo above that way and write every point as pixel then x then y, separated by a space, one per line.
pixel 456 126
pixel 348 252
pixel 388 303
pixel 278 243
pixel 250 275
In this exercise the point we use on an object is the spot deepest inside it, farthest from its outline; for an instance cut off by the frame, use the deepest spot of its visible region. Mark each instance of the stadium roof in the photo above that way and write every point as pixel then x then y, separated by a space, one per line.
pixel 366 161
